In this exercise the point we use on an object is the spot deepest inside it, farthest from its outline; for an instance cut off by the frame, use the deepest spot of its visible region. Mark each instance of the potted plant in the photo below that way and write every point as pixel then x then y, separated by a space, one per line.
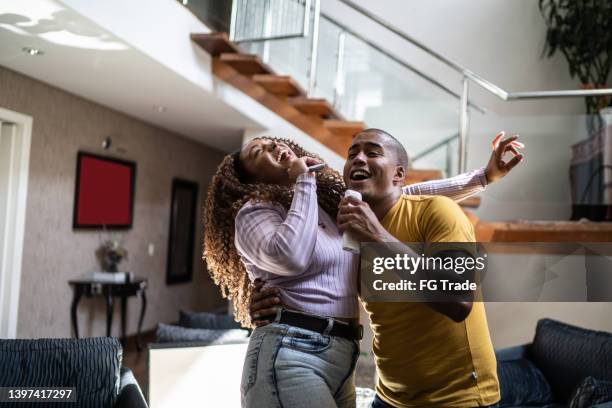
pixel 111 253
pixel 582 31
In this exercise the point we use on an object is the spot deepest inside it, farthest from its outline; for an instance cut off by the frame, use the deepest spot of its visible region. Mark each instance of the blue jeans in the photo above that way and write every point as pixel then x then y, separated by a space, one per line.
pixel 290 367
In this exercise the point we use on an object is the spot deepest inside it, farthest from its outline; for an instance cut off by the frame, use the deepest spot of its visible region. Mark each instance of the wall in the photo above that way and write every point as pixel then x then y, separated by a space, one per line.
pixel 500 40
pixel 511 324
pixel 53 253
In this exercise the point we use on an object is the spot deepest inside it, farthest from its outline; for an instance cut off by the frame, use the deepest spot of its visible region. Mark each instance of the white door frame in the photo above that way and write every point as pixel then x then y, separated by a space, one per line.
pixel 10 268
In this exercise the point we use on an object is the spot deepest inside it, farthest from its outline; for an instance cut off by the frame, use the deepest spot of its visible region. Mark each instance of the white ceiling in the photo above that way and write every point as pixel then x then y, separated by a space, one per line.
pixel 84 59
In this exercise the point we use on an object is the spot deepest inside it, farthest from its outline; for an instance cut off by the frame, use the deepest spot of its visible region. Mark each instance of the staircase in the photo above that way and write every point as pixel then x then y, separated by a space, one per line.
pixel 284 96
pixel 279 93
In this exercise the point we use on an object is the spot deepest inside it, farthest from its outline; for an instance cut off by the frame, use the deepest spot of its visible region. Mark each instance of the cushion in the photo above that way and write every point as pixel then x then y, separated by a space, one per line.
pixel 567 354
pixel 590 392
pixel 203 320
pixel 522 384
pixel 167 333
pixel 91 365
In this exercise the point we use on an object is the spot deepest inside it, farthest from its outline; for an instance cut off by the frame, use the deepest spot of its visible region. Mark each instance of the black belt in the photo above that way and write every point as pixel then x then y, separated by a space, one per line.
pixel 319 324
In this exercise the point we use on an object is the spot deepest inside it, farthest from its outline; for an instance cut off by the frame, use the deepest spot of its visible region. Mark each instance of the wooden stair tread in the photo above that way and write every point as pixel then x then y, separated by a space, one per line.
pixel 344 126
pixel 470 202
pixel 315 106
pixel 281 85
pixel 250 75
pixel 419 175
pixel 215 43
pixel 343 132
pixel 280 106
pixel 246 64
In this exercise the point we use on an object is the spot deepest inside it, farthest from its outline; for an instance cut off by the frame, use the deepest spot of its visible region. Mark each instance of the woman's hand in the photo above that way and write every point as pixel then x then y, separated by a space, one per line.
pixel 300 166
pixel 497 168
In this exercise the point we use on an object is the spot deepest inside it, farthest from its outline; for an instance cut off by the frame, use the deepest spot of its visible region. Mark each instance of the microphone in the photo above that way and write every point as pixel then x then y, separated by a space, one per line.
pixel 317 167
pixel 348 242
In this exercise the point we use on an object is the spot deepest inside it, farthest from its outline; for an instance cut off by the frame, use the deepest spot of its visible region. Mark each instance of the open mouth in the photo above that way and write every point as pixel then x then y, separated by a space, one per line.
pixel 283 155
pixel 359 175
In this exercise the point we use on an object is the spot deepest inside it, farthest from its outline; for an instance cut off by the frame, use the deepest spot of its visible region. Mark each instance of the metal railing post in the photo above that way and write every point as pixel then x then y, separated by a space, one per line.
pixel 267 31
pixel 339 89
pixel 314 49
pixel 463 125
pixel 449 159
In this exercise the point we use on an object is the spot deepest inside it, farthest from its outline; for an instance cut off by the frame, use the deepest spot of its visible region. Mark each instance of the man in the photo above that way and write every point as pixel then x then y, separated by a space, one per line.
pixel 427 354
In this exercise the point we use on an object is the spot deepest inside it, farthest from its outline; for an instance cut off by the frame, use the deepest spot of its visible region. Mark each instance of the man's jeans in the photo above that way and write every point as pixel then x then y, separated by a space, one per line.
pixel 290 367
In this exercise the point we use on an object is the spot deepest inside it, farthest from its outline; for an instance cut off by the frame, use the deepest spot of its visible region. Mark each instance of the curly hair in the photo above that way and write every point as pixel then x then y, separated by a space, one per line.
pixel 227 193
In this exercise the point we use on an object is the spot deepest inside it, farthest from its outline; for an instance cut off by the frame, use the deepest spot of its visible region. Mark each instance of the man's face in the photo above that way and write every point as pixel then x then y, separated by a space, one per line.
pixel 371 167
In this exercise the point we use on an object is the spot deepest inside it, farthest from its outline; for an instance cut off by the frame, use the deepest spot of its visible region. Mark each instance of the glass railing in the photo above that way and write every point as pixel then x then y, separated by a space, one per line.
pixel 365 84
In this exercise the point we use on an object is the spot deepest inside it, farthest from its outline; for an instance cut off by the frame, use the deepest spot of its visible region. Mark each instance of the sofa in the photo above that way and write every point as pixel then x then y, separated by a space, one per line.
pixel 564 366
pixel 92 366
pixel 201 329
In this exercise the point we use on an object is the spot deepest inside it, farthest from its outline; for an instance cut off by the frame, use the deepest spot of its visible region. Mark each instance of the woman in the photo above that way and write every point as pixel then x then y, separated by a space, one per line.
pixel 268 217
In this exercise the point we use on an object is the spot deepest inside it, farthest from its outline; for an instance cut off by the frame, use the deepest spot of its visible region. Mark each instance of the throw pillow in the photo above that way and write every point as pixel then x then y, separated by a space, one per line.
pixel 590 392
pixel 522 384
pixel 203 320
pixel 167 333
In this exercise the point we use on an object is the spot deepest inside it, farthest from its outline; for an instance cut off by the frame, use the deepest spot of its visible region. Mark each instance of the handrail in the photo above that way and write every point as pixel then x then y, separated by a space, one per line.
pixel 478 79
pixel 399 61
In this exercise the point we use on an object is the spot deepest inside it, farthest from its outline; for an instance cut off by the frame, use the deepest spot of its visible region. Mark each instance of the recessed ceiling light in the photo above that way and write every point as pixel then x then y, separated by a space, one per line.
pixel 160 109
pixel 32 51
pixel 185 2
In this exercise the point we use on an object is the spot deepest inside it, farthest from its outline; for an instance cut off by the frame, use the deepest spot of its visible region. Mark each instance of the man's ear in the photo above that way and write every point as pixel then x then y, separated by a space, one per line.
pixel 400 175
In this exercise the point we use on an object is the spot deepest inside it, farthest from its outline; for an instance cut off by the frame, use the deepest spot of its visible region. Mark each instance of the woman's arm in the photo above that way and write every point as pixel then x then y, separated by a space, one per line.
pixel 475 181
pixel 456 188
pixel 278 245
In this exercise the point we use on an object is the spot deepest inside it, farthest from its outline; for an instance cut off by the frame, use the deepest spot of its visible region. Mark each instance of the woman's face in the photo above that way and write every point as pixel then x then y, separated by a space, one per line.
pixel 267 161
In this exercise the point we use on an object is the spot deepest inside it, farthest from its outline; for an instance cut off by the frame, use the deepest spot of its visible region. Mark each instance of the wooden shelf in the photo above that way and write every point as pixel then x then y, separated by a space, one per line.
pixel 544 231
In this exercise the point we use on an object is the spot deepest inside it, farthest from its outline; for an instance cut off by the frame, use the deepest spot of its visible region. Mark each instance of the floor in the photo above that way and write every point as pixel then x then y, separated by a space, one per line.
pixel 136 360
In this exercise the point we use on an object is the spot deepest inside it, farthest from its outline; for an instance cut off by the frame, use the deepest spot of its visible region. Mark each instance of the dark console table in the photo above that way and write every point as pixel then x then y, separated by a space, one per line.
pixel 109 291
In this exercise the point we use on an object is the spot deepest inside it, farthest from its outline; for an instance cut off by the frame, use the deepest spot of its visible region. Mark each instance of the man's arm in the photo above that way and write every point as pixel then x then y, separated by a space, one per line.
pixel 263 304
pixel 468 184
pixel 357 217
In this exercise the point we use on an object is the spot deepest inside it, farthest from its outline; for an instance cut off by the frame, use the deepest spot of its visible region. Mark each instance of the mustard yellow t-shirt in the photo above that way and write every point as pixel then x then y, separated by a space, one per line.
pixel 424 358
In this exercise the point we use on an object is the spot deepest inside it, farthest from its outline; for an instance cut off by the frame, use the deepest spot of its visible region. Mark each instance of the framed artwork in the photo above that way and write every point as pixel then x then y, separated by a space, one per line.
pixel 104 192
pixel 183 210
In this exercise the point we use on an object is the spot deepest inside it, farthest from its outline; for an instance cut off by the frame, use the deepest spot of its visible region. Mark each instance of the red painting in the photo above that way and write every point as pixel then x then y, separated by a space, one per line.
pixel 104 196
